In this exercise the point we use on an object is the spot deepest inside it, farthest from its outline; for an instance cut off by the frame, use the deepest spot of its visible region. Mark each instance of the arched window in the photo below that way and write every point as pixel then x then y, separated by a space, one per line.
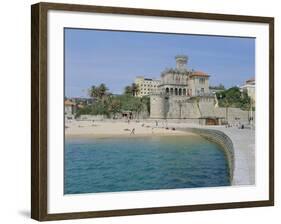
pixel 167 90
pixel 176 91
pixel 180 91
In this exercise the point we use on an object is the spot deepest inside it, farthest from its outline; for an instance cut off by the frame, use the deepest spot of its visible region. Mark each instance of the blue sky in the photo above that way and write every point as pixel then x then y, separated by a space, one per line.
pixel 115 58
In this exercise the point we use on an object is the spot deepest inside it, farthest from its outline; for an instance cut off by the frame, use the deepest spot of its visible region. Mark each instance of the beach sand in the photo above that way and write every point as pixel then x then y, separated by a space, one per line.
pixel 118 128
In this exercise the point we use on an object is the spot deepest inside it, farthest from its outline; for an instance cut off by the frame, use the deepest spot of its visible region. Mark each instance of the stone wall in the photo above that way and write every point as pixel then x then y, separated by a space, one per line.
pixel 234 115
pixel 207 107
pixel 91 117
pixel 180 107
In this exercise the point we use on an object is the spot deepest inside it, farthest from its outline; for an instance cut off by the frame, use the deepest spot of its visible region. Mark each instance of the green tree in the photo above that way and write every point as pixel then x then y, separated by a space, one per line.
pixel 233 97
pixel 138 106
pixel 146 103
pixel 131 90
pixel 98 93
pixel 128 90
pixel 103 91
pixel 107 104
pixel 135 89
pixel 94 92
pixel 85 110
pixel 219 87
pixel 114 106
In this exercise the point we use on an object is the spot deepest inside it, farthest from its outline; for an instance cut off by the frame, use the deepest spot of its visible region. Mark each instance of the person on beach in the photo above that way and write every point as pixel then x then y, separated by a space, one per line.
pixel 132 132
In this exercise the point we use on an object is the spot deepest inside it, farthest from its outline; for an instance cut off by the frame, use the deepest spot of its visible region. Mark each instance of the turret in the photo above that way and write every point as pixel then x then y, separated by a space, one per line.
pixel 181 62
pixel 157 106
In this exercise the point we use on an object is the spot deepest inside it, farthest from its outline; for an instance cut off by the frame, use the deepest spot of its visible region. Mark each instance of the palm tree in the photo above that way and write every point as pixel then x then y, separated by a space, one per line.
pixel 132 90
pixel 135 89
pixel 102 89
pixel 94 92
pixel 128 90
pixel 98 92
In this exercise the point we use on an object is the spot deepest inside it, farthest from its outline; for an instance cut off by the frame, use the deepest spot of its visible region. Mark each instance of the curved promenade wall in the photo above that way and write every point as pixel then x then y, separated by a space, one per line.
pixel 221 139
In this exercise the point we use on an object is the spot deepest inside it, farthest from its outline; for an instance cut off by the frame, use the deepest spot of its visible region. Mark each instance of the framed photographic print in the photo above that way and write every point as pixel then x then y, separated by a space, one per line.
pixel 140 111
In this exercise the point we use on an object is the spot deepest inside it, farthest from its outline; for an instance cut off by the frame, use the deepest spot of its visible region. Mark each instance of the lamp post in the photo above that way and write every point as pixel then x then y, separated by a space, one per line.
pixel 226 108
pixel 227 105
pixel 251 112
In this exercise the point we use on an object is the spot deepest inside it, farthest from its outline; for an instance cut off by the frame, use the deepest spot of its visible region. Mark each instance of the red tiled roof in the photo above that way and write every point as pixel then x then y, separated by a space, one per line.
pixel 199 73
pixel 251 79
pixel 69 103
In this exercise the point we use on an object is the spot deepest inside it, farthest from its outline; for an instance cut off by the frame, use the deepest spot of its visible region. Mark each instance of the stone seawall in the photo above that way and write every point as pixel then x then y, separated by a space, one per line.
pixel 221 139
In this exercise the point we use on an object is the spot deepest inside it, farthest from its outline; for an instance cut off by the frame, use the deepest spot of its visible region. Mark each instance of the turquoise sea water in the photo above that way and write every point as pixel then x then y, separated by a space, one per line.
pixel 130 164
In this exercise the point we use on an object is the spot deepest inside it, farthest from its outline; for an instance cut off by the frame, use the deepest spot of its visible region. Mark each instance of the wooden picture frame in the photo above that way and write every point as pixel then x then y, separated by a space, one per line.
pixel 39 108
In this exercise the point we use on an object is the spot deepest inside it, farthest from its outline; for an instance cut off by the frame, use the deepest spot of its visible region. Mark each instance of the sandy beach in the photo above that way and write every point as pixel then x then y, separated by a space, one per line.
pixel 112 128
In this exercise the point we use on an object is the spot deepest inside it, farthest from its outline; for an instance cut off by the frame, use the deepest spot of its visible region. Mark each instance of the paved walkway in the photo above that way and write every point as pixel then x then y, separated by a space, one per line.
pixel 244 154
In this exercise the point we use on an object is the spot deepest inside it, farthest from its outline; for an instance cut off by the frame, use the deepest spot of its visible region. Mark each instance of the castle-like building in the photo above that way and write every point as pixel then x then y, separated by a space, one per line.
pixel 182 81
pixel 183 93
pixel 180 91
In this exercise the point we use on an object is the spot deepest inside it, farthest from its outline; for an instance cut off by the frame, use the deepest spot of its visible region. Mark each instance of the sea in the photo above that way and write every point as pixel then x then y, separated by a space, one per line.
pixel 142 163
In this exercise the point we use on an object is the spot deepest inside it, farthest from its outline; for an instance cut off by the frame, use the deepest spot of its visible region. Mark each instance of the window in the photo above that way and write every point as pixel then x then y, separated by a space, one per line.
pixel 201 81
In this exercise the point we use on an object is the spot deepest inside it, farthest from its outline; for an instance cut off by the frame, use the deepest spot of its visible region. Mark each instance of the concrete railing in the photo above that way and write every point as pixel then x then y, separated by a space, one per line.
pixel 221 139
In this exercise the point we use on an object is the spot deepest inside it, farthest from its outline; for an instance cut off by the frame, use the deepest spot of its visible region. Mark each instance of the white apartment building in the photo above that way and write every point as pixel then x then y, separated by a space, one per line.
pixel 249 88
pixel 146 86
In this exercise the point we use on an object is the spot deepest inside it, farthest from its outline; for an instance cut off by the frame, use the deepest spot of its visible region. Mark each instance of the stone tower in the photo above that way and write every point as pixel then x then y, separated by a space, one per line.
pixel 181 62
pixel 157 106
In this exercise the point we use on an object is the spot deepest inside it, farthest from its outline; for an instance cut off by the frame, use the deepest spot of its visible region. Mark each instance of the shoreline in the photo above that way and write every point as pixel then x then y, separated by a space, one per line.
pixel 105 136
pixel 88 129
